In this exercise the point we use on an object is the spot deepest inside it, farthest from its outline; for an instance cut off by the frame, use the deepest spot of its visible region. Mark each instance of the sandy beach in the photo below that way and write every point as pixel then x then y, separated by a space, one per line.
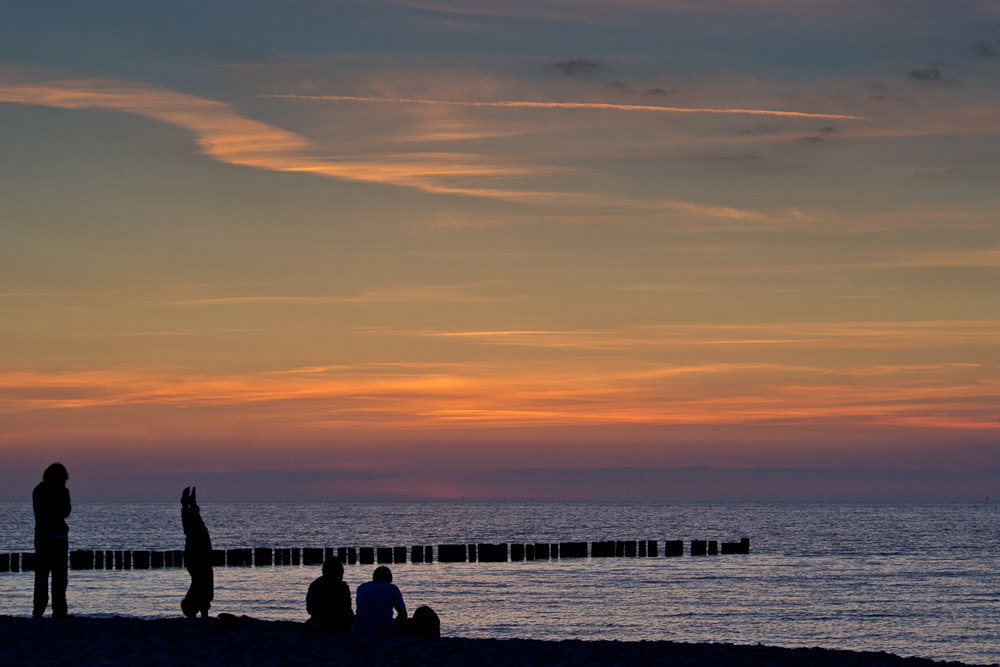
pixel 230 641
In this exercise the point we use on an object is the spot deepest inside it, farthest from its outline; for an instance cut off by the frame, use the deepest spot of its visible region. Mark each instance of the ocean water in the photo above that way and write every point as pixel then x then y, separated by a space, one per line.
pixel 910 579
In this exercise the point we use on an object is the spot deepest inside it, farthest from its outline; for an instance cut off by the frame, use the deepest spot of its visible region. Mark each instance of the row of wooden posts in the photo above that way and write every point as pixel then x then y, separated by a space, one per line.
pixel 88 559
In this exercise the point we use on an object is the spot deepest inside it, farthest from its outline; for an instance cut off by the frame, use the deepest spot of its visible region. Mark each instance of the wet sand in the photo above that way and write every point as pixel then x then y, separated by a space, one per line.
pixel 237 641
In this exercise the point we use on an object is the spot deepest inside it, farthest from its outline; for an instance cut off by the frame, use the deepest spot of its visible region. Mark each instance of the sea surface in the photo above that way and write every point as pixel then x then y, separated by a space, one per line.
pixel 909 579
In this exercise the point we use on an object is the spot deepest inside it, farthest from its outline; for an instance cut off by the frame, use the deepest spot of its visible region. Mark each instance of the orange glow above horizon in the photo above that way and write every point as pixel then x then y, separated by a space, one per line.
pixel 598 391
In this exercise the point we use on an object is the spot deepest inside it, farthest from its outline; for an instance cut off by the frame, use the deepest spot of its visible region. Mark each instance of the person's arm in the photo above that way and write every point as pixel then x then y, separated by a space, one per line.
pixel 399 605
pixel 312 603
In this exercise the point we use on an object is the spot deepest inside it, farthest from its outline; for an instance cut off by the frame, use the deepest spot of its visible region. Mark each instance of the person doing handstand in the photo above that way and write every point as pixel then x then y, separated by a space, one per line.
pixel 328 600
pixel 376 600
pixel 197 558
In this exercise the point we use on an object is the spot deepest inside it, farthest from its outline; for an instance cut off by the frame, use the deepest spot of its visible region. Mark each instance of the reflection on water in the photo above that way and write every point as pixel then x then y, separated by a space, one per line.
pixel 909 579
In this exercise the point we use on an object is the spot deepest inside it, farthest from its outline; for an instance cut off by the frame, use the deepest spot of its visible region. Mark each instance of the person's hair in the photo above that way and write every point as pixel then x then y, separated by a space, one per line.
pixel 382 573
pixel 424 623
pixel 55 473
pixel 332 567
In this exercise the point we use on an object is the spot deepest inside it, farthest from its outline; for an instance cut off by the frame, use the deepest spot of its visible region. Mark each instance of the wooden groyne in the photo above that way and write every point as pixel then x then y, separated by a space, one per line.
pixel 141 559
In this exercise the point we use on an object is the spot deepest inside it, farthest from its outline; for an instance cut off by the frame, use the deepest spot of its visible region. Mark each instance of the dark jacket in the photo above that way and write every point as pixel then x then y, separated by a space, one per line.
pixel 328 602
pixel 52 506
pixel 197 543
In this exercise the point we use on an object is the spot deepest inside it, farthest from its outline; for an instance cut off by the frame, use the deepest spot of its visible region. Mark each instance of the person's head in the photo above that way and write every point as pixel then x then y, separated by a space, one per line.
pixel 425 623
pixel 382 573
pixel 333 568
pixel 55 474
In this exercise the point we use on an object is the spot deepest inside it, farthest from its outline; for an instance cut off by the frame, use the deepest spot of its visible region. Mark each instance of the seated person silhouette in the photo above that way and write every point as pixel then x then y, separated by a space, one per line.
pixel 329 600
pixel 424 623
pixel 197 558
pixel 375 601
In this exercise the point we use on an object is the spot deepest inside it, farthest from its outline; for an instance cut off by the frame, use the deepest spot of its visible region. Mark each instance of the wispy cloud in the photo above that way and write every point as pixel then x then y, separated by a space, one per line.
pixel 928 74
pixel 825 335
pixel 593 377
pixel 570 105
pixel 576 66
pixel 224 135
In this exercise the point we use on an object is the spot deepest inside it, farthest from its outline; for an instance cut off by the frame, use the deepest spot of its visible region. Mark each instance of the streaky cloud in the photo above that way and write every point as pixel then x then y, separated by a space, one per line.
pixel 568 105
pixel 224 135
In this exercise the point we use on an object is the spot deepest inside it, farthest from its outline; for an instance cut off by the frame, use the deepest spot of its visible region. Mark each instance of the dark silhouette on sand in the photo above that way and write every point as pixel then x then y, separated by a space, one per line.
pixel 424 623
pixel 197 558
pixel 50 500
pixel 329 600
pixel 375 601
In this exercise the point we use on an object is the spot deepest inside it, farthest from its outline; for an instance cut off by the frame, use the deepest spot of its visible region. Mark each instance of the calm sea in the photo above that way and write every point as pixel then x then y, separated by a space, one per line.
pixel 911 579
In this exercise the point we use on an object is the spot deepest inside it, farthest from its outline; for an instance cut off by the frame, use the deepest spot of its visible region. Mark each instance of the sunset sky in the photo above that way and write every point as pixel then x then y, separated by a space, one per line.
pixel 383 249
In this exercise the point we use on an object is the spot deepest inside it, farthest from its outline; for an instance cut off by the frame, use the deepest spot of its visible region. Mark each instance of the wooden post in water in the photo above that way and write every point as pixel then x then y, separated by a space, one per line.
pixel 399 554
pixel 352 555
pixel 417 554
pixel 630 549
pixel 516 552
pixel 652 550
pixel 81 559
pixel 494 553
pixel 383 554
pixel 451 553
pixel 156 559
pixel 367 556
pixel 699 547
pixel 342 554
pixel 263 556
pixel 4 562
pixel 529 552
pixel 140 560
pixel 541 551
pixel 312 556
pixel 713 548
pixel 473 553
pixel 572 549
pixel 429 554
pixel 15 562
pixel 672 548
pixel 745 545
pixel 642 548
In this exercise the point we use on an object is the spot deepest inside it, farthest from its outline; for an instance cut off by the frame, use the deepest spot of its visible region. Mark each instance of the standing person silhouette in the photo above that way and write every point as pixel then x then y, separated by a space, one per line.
pixel 197 558
pixel 50 501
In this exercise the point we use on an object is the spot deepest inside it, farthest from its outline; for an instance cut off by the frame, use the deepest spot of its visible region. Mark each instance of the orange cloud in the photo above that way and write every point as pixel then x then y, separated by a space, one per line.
pixel 415 396
pixel 224 135
pixel 570 105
